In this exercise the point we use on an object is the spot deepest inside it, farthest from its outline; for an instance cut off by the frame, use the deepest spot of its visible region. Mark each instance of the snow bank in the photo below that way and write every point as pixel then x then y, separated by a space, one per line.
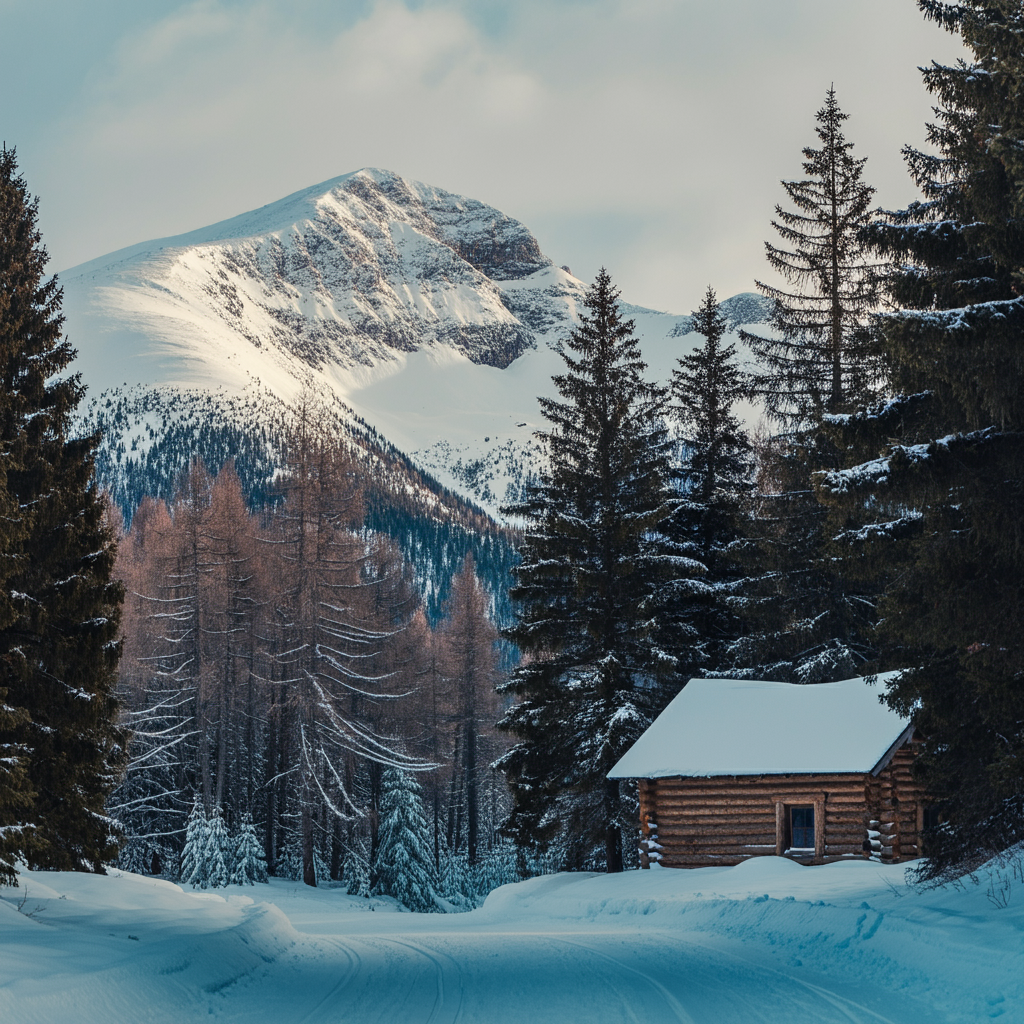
pixel 123 947
pixel 767 941
pixel 852 923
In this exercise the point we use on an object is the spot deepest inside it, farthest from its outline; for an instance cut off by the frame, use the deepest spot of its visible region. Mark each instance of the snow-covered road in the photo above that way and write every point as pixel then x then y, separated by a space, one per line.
pixel 766 942
pixel 580 976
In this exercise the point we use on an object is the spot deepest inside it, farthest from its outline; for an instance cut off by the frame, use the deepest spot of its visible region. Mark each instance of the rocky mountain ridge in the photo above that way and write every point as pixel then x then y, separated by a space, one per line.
pixel 418 317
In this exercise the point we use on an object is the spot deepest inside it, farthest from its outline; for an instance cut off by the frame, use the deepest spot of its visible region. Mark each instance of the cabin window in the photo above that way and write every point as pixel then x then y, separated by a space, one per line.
pixel 800 827
pixel 801 821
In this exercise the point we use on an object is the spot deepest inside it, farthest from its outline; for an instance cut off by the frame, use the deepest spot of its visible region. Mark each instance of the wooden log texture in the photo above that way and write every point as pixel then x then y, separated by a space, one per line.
pixel 724 820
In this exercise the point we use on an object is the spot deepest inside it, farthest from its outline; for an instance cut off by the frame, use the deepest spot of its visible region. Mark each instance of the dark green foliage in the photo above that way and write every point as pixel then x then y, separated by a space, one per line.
pixel 808 621
pixel 716 474
pixel 592 572
pixel 945 487
pixel 822 359
pixel 15 791
pixel 403 866
pixel 60 652
pixel 129 477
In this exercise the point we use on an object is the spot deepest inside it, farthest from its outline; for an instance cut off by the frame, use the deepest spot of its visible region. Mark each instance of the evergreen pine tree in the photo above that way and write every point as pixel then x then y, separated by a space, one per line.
pixel 355 871
pixel 716 474
pixel 216 853
pixel 15 792
pixel 60 652
pixel 193 865
pixel 248 864
pixel 822 358
pixel 289 860
pixel 806 621
pixel 942 481
pixel 455 880
pixel 591 575
pixel 499 867
pixel 134 856
pixel 15 788
pixel 404 865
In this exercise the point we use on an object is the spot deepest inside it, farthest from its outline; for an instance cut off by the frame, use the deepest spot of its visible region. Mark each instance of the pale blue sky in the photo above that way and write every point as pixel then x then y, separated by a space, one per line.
pixel 647 135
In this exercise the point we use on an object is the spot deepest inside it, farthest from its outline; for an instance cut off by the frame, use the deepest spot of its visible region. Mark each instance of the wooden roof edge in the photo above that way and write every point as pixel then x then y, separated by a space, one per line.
pixel 884 760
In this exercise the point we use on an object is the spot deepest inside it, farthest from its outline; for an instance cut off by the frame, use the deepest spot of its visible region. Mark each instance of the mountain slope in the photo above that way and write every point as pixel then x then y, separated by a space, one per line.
pixel 416 315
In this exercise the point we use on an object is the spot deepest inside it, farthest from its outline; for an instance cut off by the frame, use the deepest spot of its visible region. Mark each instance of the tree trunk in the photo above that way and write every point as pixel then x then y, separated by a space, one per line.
pixel 453 788
pixel 223 717
pixel 613 834
pixel 308 862
pixel 836 398
pixel 472 801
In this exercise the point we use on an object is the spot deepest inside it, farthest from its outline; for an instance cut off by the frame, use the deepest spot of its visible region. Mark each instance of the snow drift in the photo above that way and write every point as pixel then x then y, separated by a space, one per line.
pixel 766 941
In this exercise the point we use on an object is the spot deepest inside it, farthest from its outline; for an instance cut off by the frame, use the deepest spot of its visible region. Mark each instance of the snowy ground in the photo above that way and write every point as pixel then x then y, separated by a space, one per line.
pixel 767 941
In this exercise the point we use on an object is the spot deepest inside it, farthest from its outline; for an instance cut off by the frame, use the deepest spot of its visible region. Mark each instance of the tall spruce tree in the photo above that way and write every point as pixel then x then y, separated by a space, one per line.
pixel 591 572
pixel 944 466
pixel 715 475
pixel 821 357
pixel 807 622
pixel 59 652
pixel 16 234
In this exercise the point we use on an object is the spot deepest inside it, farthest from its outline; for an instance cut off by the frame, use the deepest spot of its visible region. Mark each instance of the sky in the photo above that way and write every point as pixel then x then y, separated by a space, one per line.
pixel 647 136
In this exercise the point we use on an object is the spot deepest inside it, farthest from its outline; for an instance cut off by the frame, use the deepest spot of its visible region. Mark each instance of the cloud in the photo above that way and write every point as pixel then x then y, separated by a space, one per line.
pixel 646 135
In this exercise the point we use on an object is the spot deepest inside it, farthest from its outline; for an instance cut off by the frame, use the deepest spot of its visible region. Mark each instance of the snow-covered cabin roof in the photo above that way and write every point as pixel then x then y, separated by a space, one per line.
pixel 748 727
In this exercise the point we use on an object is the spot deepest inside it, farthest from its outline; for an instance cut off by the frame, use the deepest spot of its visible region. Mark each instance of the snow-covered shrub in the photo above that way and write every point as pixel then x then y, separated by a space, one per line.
pixel 208 851
pixel 216 852
pixel 192 863
pixel 248 865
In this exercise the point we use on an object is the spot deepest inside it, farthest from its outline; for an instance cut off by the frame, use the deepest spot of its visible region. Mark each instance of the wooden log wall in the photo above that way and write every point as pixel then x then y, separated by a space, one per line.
pixel 897 809
pixel 697 822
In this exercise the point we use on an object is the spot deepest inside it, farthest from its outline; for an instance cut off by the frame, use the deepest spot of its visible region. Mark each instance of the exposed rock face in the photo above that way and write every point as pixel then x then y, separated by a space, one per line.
pixel 744 309
pixel 332 277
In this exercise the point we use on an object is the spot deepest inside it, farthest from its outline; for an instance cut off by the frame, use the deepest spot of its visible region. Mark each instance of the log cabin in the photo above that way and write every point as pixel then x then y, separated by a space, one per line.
pixel 817 773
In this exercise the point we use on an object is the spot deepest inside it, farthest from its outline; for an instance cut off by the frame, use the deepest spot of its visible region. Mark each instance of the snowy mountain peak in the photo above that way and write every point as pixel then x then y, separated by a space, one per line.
pixel 428 317
pixel 337 277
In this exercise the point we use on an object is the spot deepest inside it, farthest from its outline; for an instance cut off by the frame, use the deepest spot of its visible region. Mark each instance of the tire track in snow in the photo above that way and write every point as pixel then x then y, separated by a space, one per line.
pixel 840 1003
pixel 354 963
pixel 438 967
pixel 673 1004
pixel 385 985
